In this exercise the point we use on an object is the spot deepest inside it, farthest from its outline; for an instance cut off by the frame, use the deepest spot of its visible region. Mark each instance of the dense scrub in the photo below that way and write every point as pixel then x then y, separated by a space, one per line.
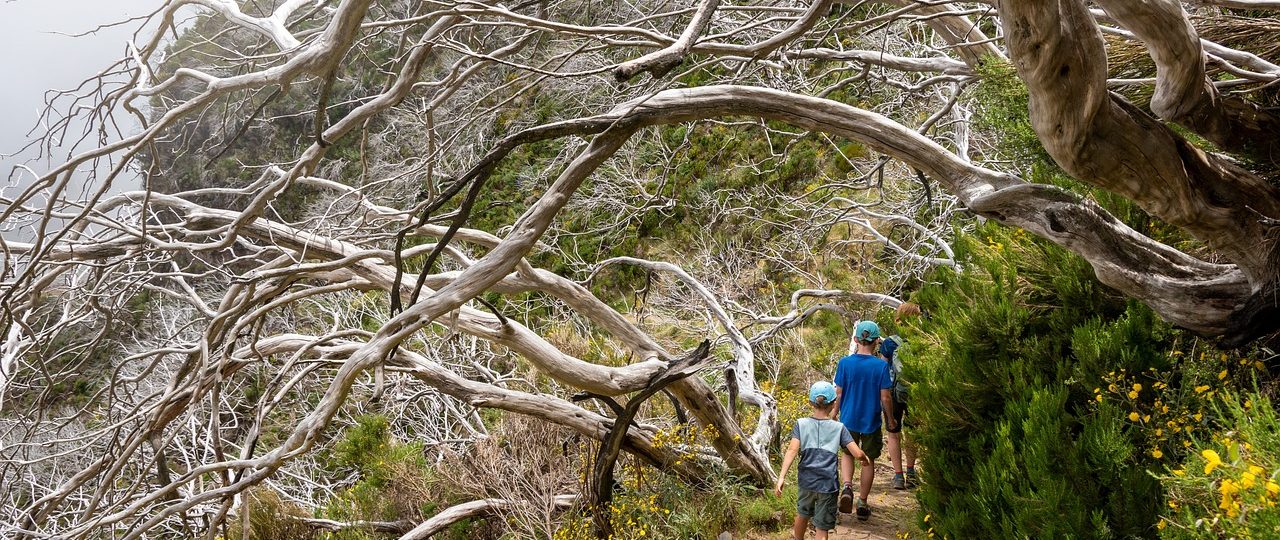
pixel 1048 404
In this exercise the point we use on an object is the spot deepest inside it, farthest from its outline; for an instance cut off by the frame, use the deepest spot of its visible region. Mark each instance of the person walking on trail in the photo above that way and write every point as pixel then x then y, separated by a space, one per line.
pixel 817 440
pixel 898 445
pixel 863 385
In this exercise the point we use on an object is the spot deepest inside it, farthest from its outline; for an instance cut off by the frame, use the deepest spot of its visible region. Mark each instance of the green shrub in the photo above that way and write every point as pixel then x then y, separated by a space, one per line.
pixel 395 482
pixel 1051 407
pixel 1016 443
pixel 1229 487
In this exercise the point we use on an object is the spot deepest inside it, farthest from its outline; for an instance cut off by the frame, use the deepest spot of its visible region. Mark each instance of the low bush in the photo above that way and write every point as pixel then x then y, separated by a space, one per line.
pixel 1229 486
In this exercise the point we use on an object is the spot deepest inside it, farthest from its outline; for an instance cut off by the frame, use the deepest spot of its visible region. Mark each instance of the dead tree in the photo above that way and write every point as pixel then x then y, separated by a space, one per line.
pixel 324 202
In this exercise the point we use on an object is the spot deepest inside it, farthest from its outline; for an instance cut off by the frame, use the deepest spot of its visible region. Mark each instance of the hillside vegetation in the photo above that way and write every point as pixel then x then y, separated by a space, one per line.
pixel 567 269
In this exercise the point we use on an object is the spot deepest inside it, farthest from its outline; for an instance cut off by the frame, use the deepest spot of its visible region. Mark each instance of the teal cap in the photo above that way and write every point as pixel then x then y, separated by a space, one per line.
pixel 822 389
pixel 866 331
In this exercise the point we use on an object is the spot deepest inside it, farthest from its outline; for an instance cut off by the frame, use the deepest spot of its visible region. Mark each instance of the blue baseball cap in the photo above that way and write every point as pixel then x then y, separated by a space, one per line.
pixel 822 389
pixel 866 331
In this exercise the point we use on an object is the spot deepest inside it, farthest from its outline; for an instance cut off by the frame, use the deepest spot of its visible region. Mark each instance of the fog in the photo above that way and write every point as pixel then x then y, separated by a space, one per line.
pixel 38 53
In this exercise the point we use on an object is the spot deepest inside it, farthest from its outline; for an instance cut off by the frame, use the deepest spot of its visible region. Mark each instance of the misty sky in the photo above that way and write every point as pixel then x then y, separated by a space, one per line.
pixel 34 57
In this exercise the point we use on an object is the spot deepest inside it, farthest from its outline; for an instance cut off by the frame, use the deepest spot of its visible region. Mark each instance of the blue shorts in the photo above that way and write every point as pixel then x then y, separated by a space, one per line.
pixel 820 508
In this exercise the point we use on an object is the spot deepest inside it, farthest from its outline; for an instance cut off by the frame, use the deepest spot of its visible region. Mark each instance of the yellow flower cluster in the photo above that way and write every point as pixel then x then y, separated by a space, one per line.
pixel 1238 485
pixel 684 437
pixel 1242 484
pixel 1167 419
pixel 633 516
pixel 791 407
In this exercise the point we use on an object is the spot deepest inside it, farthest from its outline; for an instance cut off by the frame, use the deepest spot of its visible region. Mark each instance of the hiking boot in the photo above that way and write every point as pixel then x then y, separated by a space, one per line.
pixel 898 482
pixel 913 479
pixel 864 511
pixel 845 503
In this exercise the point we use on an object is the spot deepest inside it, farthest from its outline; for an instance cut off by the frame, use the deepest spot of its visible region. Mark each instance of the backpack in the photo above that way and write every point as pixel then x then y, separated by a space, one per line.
pixel 889 348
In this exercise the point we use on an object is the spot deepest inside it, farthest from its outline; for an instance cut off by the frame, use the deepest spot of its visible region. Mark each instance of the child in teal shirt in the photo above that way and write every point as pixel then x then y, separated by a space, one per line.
pixel 817 440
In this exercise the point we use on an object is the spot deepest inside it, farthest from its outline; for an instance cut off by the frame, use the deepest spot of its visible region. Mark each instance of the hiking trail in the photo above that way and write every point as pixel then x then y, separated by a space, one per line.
pixel 892 514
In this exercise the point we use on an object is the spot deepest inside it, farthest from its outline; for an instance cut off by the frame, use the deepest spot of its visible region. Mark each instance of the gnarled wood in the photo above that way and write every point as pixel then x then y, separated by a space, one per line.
pixel 1102 140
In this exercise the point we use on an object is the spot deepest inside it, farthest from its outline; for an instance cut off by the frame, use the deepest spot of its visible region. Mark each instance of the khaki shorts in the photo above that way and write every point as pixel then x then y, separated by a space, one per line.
pixel 870 443
pixel 820 508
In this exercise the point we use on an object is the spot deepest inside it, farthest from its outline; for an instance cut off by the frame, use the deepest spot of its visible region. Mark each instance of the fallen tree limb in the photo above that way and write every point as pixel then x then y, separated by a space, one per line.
pixel 456 513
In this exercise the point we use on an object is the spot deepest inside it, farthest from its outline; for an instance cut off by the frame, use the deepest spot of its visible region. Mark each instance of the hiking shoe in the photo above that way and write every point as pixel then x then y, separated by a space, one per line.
pixel 845 503
pixel 864 511
pixel 898 482
pixel 913 479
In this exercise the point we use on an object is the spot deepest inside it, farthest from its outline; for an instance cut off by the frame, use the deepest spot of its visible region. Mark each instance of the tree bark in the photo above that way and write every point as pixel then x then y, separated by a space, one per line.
pixel 1101 139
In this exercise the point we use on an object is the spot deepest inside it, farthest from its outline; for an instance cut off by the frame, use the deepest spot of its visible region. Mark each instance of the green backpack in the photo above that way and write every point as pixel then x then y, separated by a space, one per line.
pixel 889 348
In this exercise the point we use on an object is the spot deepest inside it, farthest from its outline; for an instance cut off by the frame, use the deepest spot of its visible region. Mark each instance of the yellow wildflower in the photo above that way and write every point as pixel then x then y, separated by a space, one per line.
pixel 1212 460
pixel 1229 487
pixel 1157 453
pixel 1133 416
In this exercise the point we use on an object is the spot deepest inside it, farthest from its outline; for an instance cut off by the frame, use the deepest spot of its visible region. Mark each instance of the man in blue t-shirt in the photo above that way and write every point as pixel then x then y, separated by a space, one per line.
pixel 863 385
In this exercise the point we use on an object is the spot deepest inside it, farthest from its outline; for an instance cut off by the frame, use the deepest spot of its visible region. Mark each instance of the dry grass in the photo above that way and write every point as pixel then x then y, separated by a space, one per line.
pixel 524 460
pixel 1129 59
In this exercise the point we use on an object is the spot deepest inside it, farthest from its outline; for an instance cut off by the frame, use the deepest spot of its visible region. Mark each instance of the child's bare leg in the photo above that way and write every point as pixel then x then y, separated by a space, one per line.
pixel 846 468
pixel 798 527
pixel 820 534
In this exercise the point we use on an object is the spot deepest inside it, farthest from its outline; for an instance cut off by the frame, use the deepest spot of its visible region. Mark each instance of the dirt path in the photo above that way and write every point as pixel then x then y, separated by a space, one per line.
pixel 892 513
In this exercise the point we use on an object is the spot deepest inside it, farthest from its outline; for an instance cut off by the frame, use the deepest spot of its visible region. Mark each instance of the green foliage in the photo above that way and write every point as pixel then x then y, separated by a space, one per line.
pixel 395 482
pixel 1229 487
pixel 1047 404
pixel 1008 423
pixel 1001 99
